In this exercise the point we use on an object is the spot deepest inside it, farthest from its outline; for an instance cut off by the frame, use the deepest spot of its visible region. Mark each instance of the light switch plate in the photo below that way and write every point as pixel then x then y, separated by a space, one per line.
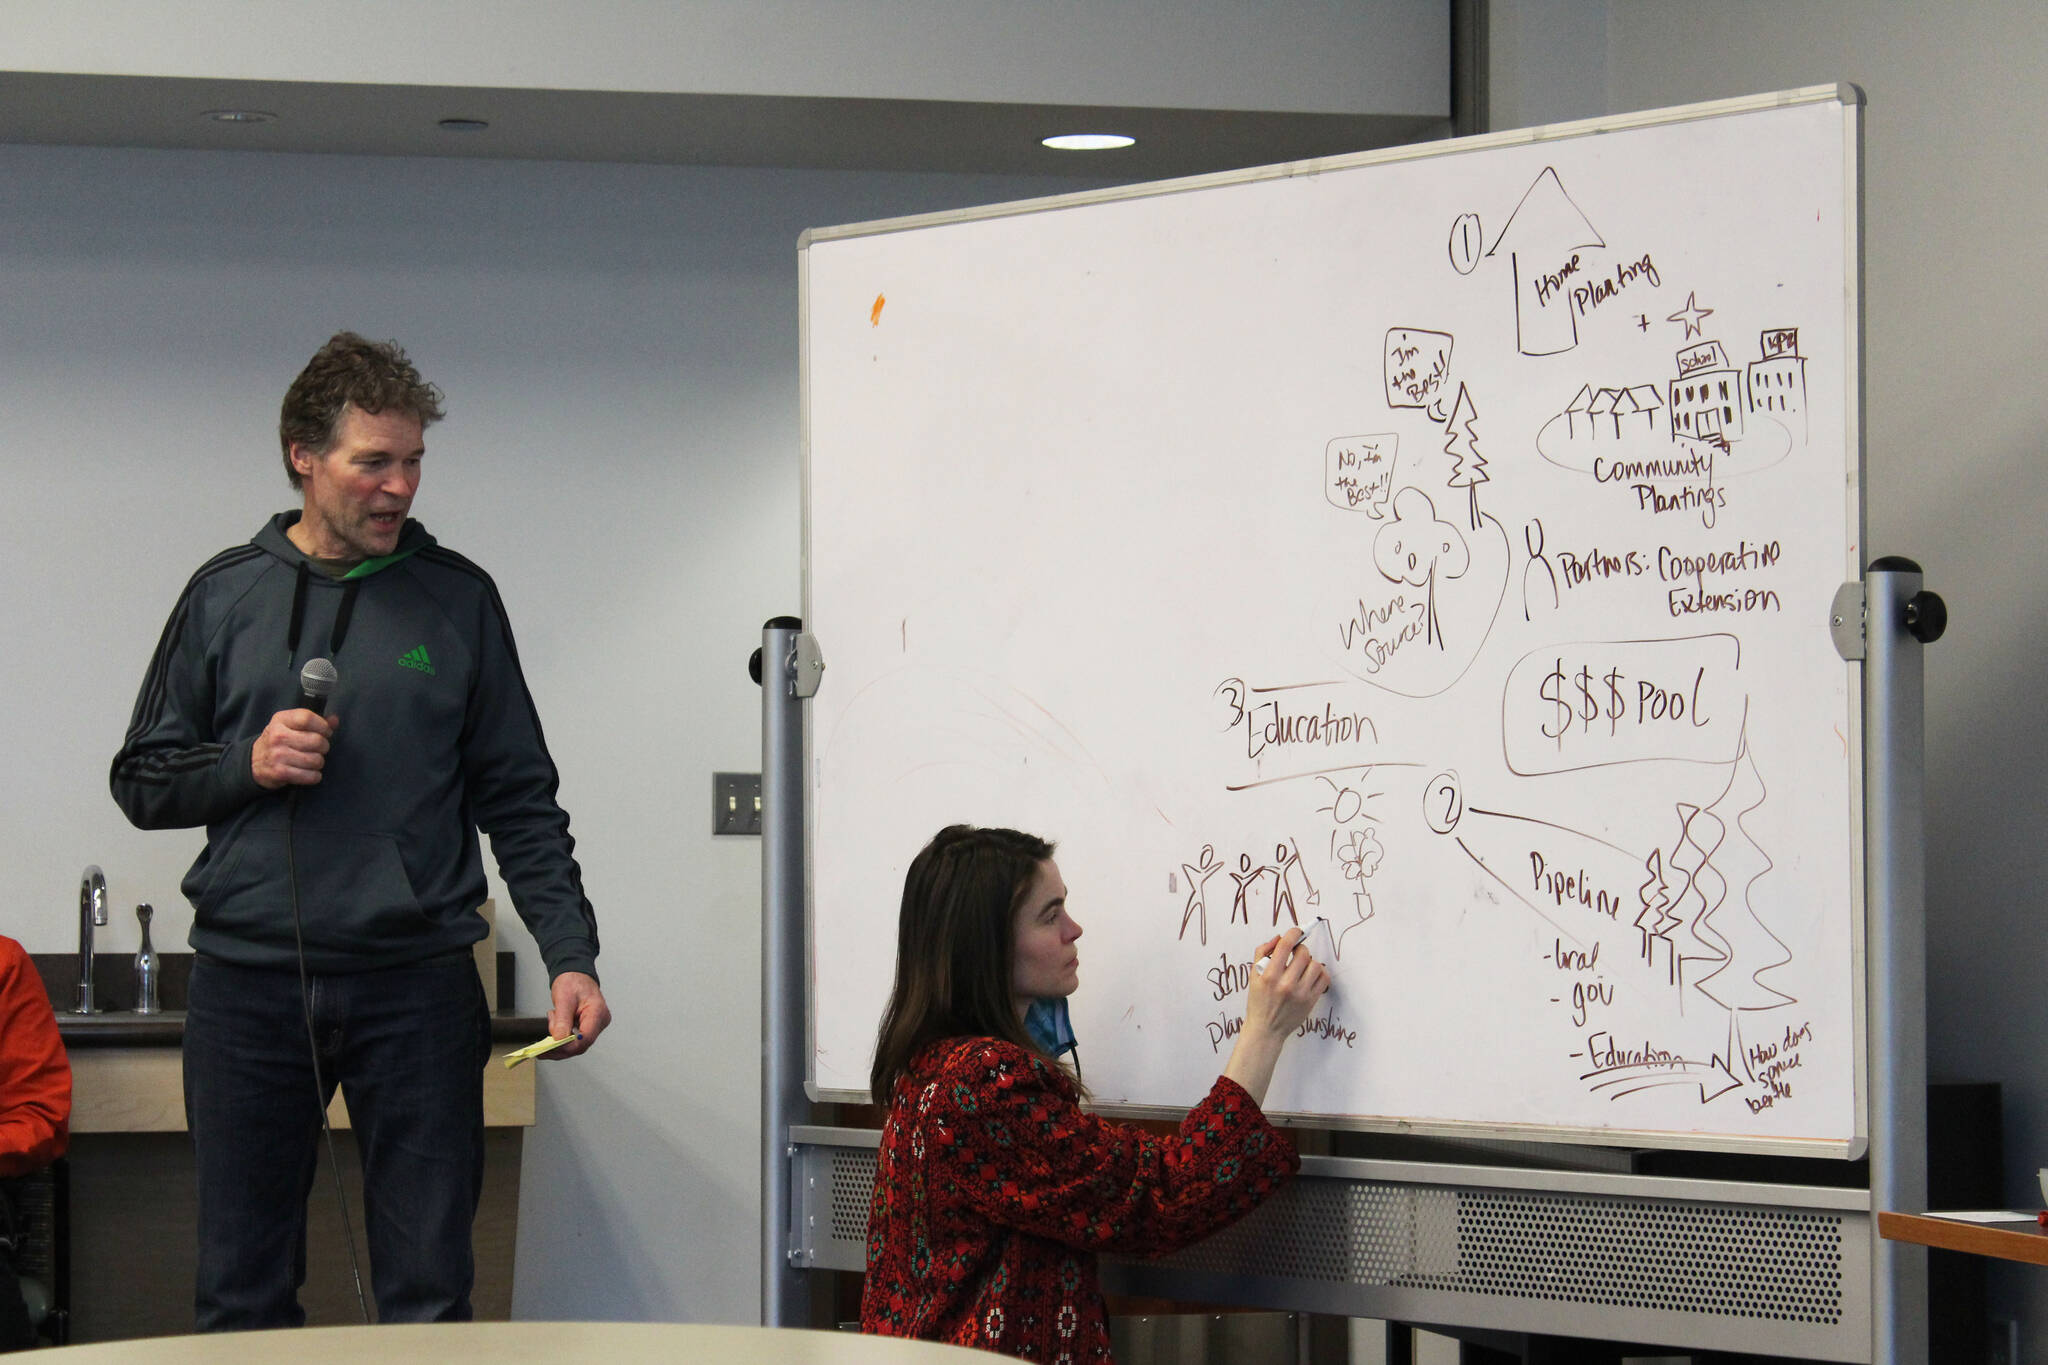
pixel 735 803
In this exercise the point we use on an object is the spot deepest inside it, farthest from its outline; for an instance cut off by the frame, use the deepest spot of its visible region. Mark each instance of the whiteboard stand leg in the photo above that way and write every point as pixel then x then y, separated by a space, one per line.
pixel 785 1285
pixel 1898 619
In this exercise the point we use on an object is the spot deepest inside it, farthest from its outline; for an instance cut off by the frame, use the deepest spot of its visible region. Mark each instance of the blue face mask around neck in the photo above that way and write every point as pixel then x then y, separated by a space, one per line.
pixel 1047 1022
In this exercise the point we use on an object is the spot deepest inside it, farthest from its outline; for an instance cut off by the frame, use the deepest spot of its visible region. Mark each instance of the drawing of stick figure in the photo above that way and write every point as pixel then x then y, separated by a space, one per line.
pixel 1246 878
pixel 1288 856
pixel 1198 899
pixel 1532 537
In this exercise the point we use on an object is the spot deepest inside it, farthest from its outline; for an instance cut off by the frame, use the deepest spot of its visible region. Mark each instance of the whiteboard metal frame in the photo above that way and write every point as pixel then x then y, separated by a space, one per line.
pixel 1895 867
pixel 1884 1292
pixel 1847 95
pixel 785 1290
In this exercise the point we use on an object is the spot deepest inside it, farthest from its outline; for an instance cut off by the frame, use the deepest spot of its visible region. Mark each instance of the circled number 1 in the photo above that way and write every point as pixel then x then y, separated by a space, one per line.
pixel 1466 241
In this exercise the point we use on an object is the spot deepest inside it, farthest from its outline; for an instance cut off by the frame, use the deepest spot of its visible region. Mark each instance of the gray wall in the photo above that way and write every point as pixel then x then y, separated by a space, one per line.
pixel 1384 57
pixel 618 346
pixel 1955 286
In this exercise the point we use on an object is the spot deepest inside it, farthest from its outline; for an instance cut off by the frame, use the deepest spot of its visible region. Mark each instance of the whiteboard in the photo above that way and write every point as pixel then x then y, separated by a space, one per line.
pixel 1437 543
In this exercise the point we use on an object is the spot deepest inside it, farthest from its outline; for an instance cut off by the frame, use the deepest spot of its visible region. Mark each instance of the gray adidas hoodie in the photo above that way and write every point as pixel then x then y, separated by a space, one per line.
pixel 438 739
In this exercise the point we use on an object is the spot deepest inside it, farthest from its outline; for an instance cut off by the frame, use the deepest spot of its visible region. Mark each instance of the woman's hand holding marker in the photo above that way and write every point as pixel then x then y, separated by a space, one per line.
pixel 1286 1000
pixel 1284 991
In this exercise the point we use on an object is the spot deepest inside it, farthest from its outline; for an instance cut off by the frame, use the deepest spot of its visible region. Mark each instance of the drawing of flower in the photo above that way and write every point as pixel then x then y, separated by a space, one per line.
pixel 1361 855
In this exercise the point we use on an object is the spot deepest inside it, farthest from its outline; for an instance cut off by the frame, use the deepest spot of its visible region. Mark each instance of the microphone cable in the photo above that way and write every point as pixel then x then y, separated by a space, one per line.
pixel 316 681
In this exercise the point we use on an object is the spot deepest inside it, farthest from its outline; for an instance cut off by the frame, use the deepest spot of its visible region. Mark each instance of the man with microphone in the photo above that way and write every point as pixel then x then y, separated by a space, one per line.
pixel 335 902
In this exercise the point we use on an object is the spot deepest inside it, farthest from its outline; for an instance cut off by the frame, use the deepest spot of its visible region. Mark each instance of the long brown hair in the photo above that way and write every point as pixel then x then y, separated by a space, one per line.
pixel 955 944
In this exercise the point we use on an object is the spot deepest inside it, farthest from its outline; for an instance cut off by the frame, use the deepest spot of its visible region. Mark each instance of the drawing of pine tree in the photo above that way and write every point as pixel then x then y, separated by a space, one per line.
pixel 1749 949
pixel 1656 920
pixel 1699 834
pixel 1462 445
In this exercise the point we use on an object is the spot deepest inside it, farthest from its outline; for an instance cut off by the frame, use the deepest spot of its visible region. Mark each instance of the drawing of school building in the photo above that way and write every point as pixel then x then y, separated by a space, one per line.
pixel 1707 401
pixel 1777 383
pixel 1710 398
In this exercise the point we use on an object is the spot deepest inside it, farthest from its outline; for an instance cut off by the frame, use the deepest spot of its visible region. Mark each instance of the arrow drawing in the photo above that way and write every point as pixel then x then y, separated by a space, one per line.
pixel 1543 238
pixel 1713 1077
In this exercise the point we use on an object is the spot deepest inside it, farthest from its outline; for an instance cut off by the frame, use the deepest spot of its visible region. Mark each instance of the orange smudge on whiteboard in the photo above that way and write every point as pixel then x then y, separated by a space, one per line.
pixel 875 313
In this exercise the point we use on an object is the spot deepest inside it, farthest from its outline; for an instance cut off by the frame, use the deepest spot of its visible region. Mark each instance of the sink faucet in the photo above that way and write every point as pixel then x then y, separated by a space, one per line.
pixel 92 909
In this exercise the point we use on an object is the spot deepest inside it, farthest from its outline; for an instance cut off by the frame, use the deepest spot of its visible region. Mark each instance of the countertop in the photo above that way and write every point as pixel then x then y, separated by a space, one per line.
pixel 127 1073
pixel 166 1028
pixel 118 1025
pixel 2022 1239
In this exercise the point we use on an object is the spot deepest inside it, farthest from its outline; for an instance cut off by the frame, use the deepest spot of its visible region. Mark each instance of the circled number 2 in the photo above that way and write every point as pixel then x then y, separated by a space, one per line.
pixel 1443 802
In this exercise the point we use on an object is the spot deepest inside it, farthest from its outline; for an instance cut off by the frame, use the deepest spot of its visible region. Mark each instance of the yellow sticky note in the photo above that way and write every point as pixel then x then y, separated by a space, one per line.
pixel 532 1050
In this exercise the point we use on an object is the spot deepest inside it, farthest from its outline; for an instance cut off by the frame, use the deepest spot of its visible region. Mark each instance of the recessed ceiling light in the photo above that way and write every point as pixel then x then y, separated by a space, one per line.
pixel 1088 142
pixel 239 116
pixel 464 125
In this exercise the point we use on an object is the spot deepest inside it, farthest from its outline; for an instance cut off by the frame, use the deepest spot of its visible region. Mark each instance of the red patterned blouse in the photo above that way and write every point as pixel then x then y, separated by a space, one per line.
pixel 995 1190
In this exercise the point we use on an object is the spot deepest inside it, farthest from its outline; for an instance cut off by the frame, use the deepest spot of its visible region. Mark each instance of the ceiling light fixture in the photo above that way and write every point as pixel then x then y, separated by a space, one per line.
pixel 239 116
pixel 1088 142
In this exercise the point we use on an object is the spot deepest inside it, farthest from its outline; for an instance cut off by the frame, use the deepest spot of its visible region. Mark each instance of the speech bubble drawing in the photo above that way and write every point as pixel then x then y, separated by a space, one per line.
pixel 1418 370
pixel 1358 472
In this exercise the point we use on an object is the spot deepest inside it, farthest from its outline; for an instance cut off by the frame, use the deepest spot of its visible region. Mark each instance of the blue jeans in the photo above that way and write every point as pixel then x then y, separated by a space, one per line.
pixel 407 1046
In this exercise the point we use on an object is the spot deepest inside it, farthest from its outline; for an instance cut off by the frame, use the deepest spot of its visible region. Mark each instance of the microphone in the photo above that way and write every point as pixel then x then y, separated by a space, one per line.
pixel 316 683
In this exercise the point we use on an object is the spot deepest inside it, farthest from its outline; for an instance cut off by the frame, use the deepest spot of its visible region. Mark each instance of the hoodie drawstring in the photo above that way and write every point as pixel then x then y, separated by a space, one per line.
pixel 348 609
pixel 291 638
pixel 341 617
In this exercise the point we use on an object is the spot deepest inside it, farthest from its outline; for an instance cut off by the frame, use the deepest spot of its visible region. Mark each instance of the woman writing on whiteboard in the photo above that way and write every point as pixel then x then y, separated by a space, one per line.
pixel 994 1188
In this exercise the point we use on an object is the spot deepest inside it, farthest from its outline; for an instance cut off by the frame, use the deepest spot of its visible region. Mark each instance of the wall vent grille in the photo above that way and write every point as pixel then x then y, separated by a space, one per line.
pixel 853 1184
pixel 1733 1261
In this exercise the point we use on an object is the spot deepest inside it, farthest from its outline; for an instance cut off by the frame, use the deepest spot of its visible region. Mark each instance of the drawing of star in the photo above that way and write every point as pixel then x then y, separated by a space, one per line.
pixel 1692 315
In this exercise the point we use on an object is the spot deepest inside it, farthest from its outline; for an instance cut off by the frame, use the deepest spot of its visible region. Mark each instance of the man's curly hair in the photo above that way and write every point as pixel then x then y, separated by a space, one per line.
pixel 350 371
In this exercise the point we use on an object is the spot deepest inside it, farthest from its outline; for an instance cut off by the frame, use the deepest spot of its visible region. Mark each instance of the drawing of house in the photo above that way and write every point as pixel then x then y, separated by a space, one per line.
pixel 1577 412
pixel 1637 405
pixel 1776 384
pixel 1601 409
pixel 1599 412
pixel 1707 401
